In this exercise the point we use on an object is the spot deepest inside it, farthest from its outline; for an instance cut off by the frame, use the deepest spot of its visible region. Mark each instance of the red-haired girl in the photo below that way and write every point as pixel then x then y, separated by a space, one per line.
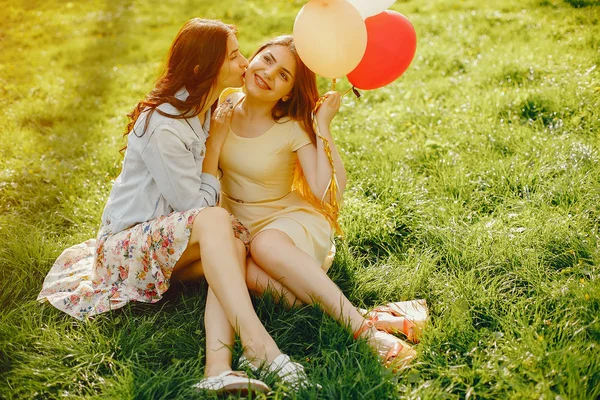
pixel 159 222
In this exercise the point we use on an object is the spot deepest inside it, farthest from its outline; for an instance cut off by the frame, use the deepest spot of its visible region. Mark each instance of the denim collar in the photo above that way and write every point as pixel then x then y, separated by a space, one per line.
pixel 182 94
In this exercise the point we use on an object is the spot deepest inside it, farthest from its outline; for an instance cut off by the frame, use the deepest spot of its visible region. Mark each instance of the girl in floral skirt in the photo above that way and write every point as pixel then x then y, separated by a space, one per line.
pixel 160 222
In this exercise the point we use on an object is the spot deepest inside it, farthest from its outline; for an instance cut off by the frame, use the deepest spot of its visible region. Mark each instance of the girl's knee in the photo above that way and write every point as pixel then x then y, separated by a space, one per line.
pixel 212 214
pixel 260 245
pixel 212 217
pixel 211 223
pixel 267 242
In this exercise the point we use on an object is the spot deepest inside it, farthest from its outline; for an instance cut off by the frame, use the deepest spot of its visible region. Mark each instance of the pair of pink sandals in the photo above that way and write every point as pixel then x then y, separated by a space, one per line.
pixel 404 317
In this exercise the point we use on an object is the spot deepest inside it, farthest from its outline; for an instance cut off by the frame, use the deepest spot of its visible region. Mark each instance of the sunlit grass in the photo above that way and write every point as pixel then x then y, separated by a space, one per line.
pixel 474 183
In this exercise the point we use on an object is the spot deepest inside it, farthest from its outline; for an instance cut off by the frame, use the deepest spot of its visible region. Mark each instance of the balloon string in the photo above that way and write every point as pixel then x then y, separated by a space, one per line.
pixel 353 90
pixel 331 207
pixel 333 84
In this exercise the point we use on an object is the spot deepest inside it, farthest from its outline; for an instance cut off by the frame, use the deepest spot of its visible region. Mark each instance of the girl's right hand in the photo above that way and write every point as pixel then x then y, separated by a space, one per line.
pixel 329 108
pixel 219 124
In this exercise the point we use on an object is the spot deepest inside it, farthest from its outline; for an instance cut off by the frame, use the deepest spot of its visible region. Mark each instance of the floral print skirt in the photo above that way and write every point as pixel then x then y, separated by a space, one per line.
pixel 106 273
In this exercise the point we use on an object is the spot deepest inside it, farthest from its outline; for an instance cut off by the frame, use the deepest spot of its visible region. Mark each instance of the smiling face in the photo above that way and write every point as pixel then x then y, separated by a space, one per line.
pixel 233 68
pixel 271 73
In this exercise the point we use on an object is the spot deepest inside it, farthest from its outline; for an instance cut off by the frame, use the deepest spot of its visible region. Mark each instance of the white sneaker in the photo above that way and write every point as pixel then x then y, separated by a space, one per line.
pixel 232 381
pixel 291 373
pixel 245 363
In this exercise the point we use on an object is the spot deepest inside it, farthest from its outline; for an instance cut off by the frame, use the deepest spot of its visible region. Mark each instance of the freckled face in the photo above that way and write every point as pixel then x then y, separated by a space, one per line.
pixel 234 67
pixel 270 75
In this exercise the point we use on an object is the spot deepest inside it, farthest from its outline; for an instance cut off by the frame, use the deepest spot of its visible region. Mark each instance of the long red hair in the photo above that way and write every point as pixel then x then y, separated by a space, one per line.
pixel 303 99
pixel 194 61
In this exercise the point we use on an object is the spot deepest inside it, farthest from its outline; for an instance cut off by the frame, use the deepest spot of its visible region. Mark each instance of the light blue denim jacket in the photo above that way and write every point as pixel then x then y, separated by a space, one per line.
pixel 162 170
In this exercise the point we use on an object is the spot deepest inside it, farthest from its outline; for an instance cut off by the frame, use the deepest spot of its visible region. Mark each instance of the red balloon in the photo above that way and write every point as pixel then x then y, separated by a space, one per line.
pixel 391 46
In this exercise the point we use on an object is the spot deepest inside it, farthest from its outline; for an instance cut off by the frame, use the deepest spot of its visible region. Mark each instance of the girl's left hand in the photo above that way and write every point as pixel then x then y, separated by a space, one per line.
pixel 219 124
pixel 329 108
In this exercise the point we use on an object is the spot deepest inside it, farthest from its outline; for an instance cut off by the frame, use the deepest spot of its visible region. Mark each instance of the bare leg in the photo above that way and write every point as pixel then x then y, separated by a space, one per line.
pixel 219 332
pixel 219 337
pixel 279 257
pixel 259 281
pixel 213 241
pixel 190 273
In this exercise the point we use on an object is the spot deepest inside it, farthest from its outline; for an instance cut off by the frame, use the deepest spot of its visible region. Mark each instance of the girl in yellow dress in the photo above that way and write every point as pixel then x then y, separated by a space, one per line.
pixel 278 180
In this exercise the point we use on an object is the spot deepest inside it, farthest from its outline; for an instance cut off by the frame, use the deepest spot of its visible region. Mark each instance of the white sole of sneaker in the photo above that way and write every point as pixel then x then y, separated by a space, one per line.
pixel 243 388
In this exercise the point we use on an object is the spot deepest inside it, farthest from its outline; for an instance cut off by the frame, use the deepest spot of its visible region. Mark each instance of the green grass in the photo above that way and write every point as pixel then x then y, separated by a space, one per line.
pixel 474 183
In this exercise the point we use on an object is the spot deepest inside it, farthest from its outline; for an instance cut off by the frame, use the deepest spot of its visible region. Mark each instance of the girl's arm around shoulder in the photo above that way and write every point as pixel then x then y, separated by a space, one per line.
pixel 174 168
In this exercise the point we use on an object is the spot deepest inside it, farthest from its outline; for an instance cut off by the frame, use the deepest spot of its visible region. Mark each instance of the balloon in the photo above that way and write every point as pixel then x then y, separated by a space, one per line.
pixel 391 46
pixel 330 37
pixel 367 8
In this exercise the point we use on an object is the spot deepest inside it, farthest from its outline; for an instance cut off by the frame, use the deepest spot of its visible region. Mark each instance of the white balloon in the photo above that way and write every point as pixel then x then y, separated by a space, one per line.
pixel 368 8
pixel 330 37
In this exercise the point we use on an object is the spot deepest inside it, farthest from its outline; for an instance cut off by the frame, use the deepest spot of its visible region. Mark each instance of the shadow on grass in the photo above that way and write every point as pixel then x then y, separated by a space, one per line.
pixel 28 209
pixel 583 3
pixel 65 126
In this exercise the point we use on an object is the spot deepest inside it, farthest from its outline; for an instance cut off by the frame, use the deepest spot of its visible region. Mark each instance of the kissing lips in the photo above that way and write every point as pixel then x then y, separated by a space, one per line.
pixel 260 82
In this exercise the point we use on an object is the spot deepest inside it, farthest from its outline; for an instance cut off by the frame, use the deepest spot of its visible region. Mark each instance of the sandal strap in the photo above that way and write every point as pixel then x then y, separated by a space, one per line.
pixel 393 352
pixel 408 323
pixel 368 324
pixel 388 310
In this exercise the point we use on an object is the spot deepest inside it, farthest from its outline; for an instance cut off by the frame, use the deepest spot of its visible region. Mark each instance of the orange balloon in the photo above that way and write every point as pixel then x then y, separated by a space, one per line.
pixel 330 37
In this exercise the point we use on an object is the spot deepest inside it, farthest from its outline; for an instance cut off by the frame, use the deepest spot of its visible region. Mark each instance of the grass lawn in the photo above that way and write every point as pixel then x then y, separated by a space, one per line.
pixel 474 182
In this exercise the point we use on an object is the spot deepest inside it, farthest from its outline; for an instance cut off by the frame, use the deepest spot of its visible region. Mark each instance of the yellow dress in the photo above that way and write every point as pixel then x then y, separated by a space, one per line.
pixel 256 188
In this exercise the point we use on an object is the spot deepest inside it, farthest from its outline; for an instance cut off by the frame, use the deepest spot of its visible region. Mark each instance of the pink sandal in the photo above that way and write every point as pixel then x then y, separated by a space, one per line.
pixel 406 317
pixel 399 355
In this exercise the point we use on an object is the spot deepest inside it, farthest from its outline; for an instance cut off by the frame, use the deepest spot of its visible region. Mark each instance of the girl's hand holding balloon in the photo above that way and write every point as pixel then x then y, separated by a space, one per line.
pixel 329 108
